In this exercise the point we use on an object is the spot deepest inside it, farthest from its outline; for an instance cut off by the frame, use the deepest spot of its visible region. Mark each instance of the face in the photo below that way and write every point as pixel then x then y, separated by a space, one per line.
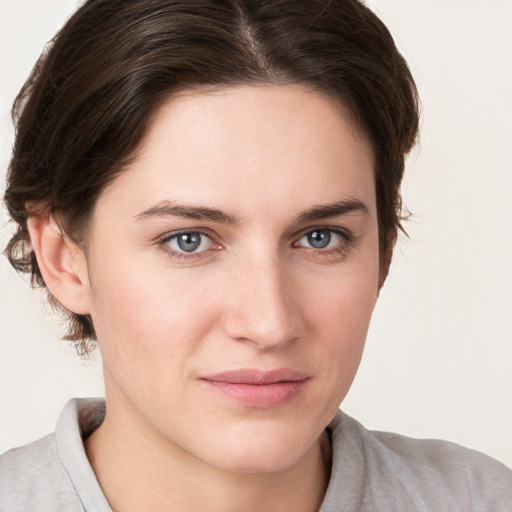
pixel 233 269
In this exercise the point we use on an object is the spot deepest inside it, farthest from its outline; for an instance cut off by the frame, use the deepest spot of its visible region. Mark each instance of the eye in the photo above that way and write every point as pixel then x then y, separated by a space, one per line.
pixel 325 238
pixel 188 242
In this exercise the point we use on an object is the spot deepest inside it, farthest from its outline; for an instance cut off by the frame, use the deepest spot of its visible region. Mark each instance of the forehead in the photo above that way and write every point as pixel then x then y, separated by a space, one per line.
pixel 248 145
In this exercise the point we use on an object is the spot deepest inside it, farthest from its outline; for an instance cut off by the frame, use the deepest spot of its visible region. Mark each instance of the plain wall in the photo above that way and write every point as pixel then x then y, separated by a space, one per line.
pixel 438 361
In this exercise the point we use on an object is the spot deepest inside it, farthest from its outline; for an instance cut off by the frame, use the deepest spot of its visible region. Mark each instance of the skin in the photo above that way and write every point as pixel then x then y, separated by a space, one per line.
pixel 255 294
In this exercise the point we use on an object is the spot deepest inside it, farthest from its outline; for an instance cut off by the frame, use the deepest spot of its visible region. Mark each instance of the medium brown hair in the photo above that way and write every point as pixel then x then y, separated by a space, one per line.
pixel 83 110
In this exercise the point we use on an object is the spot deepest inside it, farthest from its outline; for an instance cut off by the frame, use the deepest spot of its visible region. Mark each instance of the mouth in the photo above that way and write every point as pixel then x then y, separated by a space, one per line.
pixel 258 389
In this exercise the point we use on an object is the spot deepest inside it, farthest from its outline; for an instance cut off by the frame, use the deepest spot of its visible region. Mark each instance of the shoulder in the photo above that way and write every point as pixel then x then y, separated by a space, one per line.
pixel 420 474
pixel 33 478
pixel 53 473
pixel 446 471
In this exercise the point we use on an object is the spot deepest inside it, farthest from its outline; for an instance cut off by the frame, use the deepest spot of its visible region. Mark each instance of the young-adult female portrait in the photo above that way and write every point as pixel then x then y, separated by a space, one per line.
pixel 210 196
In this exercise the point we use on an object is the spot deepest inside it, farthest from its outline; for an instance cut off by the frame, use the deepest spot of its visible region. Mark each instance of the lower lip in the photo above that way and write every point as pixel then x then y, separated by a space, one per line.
pixel 261 396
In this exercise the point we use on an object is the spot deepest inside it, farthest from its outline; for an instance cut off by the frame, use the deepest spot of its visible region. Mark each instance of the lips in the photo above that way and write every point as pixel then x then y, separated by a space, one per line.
pixel 256 388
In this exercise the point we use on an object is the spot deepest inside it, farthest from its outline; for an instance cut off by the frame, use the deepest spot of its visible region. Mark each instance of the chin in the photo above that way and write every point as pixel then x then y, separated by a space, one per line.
pixel 261 449
pixel 259 460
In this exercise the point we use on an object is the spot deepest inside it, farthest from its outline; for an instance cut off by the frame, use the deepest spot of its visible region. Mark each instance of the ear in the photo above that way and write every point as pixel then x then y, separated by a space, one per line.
pixel 62 263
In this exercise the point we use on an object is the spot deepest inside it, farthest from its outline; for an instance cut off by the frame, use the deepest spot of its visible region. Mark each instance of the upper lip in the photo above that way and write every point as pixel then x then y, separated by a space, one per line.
pixel 254 376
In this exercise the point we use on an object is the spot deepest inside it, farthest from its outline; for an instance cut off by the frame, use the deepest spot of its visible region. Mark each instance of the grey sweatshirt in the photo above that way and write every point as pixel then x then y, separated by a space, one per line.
pixel 371 471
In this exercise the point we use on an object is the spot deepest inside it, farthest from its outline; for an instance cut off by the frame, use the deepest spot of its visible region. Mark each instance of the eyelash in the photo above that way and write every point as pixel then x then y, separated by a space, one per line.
pixel 347 239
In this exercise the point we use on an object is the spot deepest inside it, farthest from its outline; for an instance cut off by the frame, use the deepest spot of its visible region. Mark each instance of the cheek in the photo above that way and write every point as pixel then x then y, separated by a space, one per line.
pixel 341 316
pixel 149 316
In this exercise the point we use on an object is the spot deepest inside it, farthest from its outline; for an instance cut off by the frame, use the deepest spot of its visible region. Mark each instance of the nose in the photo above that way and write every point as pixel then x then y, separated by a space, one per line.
pixel 264 307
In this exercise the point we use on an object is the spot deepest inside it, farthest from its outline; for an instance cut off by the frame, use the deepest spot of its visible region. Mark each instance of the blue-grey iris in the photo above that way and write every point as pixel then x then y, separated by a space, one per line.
pixel 188 242
pixel 319 239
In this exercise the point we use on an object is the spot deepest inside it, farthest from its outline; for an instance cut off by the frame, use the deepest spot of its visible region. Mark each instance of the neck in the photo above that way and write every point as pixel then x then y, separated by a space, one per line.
pixel 137 470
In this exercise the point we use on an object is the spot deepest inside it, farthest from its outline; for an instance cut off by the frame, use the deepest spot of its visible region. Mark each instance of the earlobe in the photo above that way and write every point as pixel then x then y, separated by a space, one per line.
pixel 61 262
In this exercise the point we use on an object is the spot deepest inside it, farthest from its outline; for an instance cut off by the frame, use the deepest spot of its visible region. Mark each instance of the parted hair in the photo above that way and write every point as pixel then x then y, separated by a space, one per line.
pixel 84 109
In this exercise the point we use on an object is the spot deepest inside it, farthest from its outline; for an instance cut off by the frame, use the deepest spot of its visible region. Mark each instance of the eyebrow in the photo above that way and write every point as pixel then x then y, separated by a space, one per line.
pixel 172 209
pixel 332 210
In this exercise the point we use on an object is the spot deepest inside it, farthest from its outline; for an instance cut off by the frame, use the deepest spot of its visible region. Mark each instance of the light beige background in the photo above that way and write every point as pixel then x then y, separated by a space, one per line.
pixel 438 361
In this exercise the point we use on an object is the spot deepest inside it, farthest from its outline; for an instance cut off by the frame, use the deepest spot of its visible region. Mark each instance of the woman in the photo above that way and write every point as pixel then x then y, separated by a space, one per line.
pixel 211 190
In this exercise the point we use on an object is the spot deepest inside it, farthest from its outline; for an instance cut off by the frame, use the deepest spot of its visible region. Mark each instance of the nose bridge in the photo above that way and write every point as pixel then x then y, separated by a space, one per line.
pixel 263 309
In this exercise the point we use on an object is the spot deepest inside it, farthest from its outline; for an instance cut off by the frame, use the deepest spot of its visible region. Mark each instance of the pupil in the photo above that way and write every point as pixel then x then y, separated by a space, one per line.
pixel 319 239
pixel 189 242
